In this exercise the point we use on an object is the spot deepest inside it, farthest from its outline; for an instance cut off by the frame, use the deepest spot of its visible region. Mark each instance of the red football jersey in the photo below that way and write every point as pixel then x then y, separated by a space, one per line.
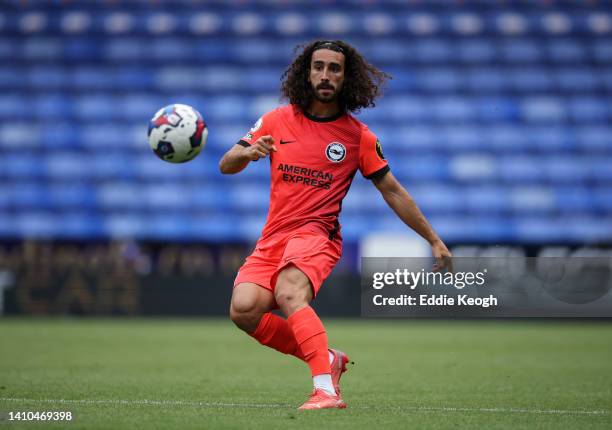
pixel 313 167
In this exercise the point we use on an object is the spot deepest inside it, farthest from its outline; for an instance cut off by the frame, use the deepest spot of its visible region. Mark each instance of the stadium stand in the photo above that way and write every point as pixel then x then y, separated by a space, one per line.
pixel 498 119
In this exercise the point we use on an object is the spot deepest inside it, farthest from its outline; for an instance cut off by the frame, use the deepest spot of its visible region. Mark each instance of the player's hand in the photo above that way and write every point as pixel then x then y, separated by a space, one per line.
pixel 261 148
pixel 442 255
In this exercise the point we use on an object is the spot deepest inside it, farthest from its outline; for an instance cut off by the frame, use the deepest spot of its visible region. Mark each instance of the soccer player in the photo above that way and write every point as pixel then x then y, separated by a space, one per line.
pixel 315 147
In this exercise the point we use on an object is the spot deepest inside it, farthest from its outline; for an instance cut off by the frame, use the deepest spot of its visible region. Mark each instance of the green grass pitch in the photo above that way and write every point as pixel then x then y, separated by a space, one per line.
pixel 204 373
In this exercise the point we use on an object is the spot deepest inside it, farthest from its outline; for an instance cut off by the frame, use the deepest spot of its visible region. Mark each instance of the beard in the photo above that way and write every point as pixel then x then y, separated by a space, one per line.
pixel 329 97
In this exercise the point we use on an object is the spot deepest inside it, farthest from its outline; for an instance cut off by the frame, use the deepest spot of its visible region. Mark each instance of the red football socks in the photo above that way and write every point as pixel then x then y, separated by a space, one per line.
pixel 273 331
pixel 311 337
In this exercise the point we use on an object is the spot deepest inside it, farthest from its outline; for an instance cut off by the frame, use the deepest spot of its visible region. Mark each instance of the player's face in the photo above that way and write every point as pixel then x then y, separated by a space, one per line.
pixel 326 74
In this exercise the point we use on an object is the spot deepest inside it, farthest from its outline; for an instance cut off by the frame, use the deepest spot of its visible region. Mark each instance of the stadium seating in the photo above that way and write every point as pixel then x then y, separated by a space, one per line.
pixel 498 117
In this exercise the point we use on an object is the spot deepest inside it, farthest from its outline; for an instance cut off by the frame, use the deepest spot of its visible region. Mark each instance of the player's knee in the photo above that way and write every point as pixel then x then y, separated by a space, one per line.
pixel 246 321
pixel 244 314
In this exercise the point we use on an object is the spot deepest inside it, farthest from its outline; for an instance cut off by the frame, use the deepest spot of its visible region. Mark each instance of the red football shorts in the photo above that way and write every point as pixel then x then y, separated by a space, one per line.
pixel 312 253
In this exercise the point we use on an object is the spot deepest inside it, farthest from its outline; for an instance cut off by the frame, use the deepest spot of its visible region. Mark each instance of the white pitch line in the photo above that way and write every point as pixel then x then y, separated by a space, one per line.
pixel 278 406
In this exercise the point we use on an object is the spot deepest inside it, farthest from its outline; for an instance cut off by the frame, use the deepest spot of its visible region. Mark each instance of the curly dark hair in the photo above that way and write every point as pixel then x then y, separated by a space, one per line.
pixel 362 81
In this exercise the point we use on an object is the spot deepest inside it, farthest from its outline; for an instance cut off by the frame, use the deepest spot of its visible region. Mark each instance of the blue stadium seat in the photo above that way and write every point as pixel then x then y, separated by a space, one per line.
pixel 8 48
pixel 419 168
pixel 487 199
pixel 508 138
pixel 602 50
pixel 532 199
pixel 72 196
pixel 35 224
pixel 258 79
pixel 599 169
pixel 565 170
pixel 61 135
pixel 210 196
pixel 23 167
pixel 486 79
pixel 589 229
pixel 539 229
pixel 438 80
pixel 62 166
pixel 590 109
pixel 76 225
pixel 52 107
pixel 520 169
pixel 473 168
pixel 594 138
pixel 92 78
pixel 125 49
pixel 545 109
pixel 83 49
pixel 603 199
pixel 461 138
pixel 97 108
pixel 168 50
pixel 477 51
pixel 41 49
pixel 521 51
pixel 567 50
pixel 435 199
pixel 574 199
pixel 530 80
pixel 134 79
pixel 11 78
pixel 577 80
pixel 497 119
pixel 259 51
pixel 247 226
pixel 433 51
pixel 48 78
pixel 364 198
pixel 606 78
pixel 29 195
pixel 497 109
pixel 247 198
pixel 139 107
pixel 22 135
pixel 5 198
pixel 12 105
pixel 127 225
pixel 111 163
pixel 388 51
pixel 458 229
pixel 551 139
pixel 452 108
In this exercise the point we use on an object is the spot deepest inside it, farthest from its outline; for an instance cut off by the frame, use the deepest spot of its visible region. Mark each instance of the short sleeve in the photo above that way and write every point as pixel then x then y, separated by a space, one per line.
pixel 261 127
pixel 372 163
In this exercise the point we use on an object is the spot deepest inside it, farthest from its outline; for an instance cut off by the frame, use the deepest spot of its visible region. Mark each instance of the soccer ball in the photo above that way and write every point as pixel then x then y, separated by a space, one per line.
pixel 177 133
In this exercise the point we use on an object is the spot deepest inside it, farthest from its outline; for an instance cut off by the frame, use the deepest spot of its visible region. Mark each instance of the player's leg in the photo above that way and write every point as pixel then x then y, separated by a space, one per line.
pixel 249 303
pixel 250 310
pixel 293 294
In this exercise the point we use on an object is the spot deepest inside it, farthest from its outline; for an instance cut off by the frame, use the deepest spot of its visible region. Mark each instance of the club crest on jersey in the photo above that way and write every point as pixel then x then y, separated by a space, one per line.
pixel 335 152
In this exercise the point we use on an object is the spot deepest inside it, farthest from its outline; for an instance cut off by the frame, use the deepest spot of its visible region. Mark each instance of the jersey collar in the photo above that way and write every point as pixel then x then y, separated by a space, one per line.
pixel 325 119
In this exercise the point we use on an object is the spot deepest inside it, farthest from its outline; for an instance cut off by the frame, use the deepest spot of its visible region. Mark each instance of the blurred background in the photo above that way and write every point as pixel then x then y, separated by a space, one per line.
pixel 498 120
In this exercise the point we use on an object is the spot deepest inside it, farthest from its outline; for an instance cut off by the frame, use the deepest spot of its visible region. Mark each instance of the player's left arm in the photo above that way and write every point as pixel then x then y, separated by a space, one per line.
pixel 407 210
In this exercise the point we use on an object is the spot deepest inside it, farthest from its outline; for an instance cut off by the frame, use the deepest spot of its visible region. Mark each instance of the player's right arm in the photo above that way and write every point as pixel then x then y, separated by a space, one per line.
pixel 237 158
